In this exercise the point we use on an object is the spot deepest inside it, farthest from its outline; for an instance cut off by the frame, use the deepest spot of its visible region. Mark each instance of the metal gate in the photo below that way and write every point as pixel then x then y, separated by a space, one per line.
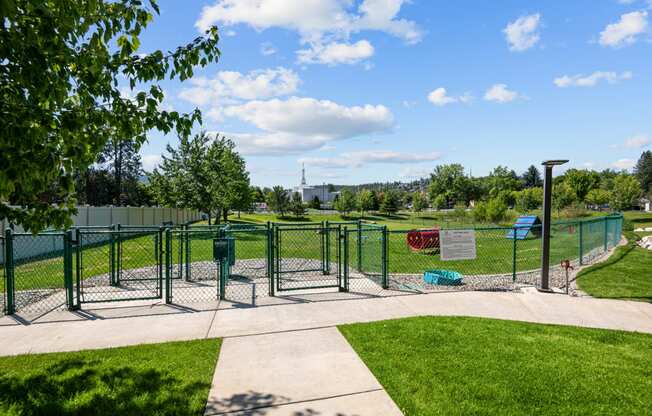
pixel 307 257
pixel 122 265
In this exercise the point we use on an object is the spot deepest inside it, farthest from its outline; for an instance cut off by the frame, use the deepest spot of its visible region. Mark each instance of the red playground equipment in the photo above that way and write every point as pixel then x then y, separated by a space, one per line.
pixel 426 239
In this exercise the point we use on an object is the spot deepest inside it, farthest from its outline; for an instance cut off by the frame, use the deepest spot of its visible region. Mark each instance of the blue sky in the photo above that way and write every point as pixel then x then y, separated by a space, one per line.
pixel 383 90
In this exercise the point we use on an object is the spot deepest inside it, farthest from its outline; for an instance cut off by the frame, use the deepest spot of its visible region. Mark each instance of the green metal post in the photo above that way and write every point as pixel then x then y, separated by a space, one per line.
pixel 581 237
pixel 112 258
pixel 327 245
pixel 168 266
pixel 359 246
pixel 514 255
pixel 78 266
pixel 322 246
pixel 606 234
pixel 180 250
pixel 188 258
pixel 118 273
pixel 270 258
pixel 159 260
pixel 384 258
pixel 10 307
pixel 344 285
pixel 277 260
pixel 67 269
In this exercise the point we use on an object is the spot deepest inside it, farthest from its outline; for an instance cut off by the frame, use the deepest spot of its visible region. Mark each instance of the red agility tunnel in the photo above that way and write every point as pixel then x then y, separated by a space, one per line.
pixel 423 239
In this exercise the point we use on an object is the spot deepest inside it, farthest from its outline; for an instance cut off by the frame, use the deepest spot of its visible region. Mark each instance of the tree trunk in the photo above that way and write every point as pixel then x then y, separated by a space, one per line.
pixel 225 215
pixel 209 217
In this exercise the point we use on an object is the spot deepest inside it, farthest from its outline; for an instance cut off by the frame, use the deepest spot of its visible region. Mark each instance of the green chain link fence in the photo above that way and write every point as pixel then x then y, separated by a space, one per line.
pixel 56 270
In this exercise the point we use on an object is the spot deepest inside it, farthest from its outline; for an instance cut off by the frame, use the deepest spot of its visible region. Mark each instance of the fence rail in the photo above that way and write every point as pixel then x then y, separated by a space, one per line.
pixel 179 264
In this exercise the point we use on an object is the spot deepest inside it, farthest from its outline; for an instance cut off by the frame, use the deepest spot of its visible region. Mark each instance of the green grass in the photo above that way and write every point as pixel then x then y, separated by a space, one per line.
pixel 158 379
pixel 471 366
pixel 626 275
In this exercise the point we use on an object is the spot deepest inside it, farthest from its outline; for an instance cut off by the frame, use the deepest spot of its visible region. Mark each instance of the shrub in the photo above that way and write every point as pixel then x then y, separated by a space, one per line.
pixel 496 210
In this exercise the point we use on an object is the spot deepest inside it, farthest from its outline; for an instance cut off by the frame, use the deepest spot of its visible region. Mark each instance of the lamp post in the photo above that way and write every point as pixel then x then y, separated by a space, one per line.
pixel 547 209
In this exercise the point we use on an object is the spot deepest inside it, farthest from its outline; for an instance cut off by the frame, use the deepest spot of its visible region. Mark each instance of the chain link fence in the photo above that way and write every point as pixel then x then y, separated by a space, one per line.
pixel 181 265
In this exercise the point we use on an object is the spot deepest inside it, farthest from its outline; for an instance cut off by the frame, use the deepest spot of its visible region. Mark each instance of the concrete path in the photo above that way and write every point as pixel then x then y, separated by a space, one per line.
pixel 309 372
pixel 118 326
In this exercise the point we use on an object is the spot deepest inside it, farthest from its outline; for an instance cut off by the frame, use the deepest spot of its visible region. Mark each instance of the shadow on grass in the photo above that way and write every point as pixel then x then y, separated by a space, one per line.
pixel 84 387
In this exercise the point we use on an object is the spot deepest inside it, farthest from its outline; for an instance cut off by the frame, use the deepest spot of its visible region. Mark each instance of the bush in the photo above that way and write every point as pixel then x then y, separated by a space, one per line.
pixel 496 210
pixel 440 202
pixel 479 211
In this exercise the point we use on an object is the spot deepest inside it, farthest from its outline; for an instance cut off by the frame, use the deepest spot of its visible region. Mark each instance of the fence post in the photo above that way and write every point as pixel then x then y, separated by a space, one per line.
pixel 188 259
pixel 322 247
pixel 514 234
pixel 270 259
pixel 78 267
pixel 168 265
pixel 112 258
pixel 581 237
pixel 606 233
pixel 359 247
pixel 385 258
pixel 344 285
pixel 10 307
pixel 67 269
pixel 327 247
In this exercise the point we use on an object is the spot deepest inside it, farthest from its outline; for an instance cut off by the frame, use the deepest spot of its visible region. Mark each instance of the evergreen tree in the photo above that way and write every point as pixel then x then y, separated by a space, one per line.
pixel 296 205
pixel 315 203
pixel 643 171
pixel 532 177
pixel 391 202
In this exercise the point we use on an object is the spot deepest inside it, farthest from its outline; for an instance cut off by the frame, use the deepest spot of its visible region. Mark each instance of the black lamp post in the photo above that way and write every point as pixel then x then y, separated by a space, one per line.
pixel 547 209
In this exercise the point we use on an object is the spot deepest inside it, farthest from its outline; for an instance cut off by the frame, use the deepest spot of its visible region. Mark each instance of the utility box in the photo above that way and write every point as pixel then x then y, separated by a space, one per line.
pixel 224 250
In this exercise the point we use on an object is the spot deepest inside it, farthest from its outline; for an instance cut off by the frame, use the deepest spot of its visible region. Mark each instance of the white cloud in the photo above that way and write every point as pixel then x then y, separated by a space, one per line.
pixel 299 124
pixel 388 156
pixel 624 164
pixel 440 97
pixel 626 30
pixel 267 49
pixel 501 94
pixel 592 80
pixel 231 33
pixel 637 142
pixel 522 34
pixel 414 172
pixel 336 53
pixel 150 162
pixel 313 19
pixel 231 85
pixel 360 158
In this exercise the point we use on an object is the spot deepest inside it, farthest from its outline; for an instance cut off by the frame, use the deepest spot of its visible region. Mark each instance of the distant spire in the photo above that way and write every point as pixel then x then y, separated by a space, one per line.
pixel 303 174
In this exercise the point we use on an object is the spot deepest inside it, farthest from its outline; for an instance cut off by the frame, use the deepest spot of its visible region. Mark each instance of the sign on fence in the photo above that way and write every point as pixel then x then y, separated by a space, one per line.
pixel 457 244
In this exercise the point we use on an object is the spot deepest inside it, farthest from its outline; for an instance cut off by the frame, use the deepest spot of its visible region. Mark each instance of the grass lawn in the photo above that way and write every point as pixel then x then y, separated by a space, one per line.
pixel 158 379
pixel 473 366
pixel 626 275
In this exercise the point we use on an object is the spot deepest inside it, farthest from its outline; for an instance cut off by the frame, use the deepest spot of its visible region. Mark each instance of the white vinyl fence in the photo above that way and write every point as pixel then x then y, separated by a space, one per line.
pixel 98 216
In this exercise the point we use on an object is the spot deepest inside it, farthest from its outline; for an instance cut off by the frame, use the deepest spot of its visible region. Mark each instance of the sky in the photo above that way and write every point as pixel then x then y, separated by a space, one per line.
pixel 384 90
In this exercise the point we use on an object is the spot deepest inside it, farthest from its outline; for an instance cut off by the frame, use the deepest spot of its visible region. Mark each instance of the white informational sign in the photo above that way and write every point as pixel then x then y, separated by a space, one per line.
pixel 457 244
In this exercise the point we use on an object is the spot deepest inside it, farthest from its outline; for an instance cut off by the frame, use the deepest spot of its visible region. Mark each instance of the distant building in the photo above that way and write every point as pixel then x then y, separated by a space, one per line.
pixel 309 192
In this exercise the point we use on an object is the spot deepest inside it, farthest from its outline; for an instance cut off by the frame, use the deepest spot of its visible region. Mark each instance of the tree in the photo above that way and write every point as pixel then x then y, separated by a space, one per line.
pixel 296 205
pixel 315 203
pixel 120 157
pixel 625 193
pixel 562 195
pixel 278 200
pixel 598 197
pixel 64 64
pixel 440 202
pixel 581 182
pixel 495 210
pixel 532 177
pixel 419 202
pixel 529 199
pixel 502 180
pixel 365 201
pixel 643 171
pixel 345 203
pixel 257 195
pixel 204 173
pixel 391 202
pixel 449 181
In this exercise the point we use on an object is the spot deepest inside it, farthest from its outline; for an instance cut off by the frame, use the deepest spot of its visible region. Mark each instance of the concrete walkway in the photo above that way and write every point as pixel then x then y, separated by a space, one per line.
pixel 120 325
pixel 289 359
